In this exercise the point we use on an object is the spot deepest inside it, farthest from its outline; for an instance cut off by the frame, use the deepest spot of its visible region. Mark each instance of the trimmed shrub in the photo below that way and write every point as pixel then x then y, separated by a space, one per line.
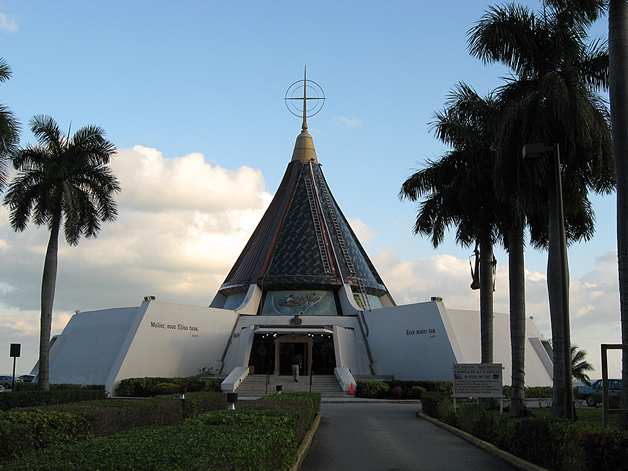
pixel 261 435
pixel 539 391
pixel 372 389
pixel 440 406
pixel 59 394
pixel 401 389
pixel 28 431
pixel 605 451
pixel 148 387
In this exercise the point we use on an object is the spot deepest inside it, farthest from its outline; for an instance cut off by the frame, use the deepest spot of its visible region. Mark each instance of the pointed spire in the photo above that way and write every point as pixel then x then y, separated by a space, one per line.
pixel 304 147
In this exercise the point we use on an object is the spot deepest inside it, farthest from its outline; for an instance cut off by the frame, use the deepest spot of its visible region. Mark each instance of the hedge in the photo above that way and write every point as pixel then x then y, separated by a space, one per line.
pixel 260 435
pixel 605 451
pixel 558 445
pixel 148 387
pixel 58 394
pixel 400 389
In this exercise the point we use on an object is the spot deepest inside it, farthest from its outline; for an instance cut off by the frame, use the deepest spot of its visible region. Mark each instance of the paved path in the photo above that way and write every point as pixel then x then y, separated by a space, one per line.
pixel 389 436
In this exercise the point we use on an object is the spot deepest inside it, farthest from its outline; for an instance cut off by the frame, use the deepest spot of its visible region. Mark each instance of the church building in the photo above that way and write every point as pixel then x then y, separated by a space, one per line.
pixel 303 285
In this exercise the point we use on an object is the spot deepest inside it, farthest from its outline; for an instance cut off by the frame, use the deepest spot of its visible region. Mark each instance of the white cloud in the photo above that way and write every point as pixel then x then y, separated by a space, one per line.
pixel 182 223
pixel 7 23
pixel 362 231
pixel 349 122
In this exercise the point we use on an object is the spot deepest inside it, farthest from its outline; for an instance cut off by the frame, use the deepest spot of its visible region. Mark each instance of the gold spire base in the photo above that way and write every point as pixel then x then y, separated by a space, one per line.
pixel 304 148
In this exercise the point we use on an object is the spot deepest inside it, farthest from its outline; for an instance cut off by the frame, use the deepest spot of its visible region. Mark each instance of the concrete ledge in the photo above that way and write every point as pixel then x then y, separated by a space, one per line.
pixel 345 378
pixel 306 443
pixel 512 460
pixel 234 379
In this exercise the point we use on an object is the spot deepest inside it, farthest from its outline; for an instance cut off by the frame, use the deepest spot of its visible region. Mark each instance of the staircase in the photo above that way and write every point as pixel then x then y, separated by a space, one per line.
pixel 255 385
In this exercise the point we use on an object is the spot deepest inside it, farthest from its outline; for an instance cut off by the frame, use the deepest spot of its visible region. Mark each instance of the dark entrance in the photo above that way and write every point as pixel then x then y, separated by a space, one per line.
pixel 272 353
pixel 288 351
pixel 262 359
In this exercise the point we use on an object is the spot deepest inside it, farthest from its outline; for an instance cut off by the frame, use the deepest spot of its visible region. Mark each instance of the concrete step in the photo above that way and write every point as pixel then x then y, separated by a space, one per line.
pixel 255 385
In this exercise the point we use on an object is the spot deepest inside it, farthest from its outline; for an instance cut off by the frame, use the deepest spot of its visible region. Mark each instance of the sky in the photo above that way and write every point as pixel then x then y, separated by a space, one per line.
pixel 192 95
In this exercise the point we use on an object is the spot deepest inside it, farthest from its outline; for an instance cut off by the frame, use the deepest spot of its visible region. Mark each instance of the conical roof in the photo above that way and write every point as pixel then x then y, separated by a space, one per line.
pixel 303 241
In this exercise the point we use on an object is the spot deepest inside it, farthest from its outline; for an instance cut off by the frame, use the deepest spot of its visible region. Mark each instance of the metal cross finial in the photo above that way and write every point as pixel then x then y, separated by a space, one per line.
pixel 293 98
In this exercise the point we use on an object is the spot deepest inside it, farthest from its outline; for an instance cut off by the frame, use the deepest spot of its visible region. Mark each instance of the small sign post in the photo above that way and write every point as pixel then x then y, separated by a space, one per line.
pixel 14 352
pixel 477 380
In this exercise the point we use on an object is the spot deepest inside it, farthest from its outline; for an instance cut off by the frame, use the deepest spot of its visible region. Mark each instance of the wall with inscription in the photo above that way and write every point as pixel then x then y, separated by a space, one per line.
pixel 413 342
pixel 154 339
pixel 175 340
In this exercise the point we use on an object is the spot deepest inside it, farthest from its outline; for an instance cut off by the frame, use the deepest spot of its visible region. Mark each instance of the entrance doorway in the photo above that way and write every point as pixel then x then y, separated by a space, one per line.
pixel 272 354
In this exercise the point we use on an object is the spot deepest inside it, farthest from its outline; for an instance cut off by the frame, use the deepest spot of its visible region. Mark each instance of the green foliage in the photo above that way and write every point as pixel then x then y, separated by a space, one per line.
pixel 439 405
pixel 539 391
pixel 27 431
pixel 58 394
pixel 550 443
pixel 372 389
pixel 605 450
pixel 306 404
pixel 193 447
pixel 260 435
pixel 147 387
pixel 400 389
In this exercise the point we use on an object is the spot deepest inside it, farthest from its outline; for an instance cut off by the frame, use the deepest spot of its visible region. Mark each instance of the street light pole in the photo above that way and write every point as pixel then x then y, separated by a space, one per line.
pixel 555 197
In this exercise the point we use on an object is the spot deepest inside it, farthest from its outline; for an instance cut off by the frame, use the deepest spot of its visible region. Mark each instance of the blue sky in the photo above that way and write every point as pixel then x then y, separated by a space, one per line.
pixel 192 92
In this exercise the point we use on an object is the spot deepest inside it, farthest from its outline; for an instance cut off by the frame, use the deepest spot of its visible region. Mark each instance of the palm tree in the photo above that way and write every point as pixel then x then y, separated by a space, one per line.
pixel 555 76
pixel 618 88
pixel 62 182
pixel 579 366
pixel 9 129
pixel 459 192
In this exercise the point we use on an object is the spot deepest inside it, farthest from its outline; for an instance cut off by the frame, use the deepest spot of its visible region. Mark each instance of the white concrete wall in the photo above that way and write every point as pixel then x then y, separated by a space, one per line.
pixel 413 342
pixel 91 343
pixel 175 340
pixel 350 348
pixel 467 327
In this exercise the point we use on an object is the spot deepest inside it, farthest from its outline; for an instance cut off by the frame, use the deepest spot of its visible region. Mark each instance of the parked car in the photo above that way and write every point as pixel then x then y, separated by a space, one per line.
pixel 7 381
pixel 593 394
pixel 27 378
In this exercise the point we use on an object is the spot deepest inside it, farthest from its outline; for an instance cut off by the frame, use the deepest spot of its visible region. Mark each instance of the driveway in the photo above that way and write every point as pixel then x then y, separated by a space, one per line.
pixel 378 436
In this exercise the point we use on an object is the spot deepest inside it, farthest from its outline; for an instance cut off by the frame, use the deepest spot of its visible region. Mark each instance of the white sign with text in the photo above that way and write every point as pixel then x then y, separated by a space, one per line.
pixel 478 380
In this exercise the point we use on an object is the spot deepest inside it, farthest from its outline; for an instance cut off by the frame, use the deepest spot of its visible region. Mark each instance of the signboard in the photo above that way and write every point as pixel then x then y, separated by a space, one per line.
pixel 477 380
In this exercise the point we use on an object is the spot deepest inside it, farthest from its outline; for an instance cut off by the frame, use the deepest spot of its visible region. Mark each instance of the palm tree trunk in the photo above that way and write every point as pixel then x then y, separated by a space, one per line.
pixel 486 298
pixel 558 295
pixel 49 281
pixel 618 87
pixel 516 282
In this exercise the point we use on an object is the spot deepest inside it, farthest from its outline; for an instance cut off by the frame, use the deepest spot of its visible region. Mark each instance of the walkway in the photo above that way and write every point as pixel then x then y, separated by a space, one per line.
pixel 377 436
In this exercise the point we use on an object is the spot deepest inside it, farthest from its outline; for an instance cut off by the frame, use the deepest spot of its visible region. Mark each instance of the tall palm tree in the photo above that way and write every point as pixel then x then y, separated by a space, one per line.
pixel 62 182
pixel 458 190
pixel 9 129
pixel 556 73
pixel 618 88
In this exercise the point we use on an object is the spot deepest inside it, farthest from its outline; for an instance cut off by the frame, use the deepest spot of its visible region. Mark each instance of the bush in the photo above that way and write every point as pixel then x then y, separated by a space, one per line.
pixel 372 389
pixel 605 451
pixel 400 389
pixel 148 387
pixel 58 394
pixel 28 431
pixel 539 391
pixel 439 405
pixel 260 435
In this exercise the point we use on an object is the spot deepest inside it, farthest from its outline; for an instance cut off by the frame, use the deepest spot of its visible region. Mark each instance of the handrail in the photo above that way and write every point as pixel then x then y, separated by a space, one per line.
pixel 268 376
